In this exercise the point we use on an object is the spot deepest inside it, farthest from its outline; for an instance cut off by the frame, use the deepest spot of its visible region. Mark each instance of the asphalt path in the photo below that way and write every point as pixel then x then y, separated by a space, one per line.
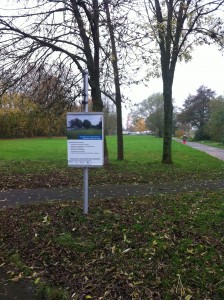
pixel 9 198
pixel 216 152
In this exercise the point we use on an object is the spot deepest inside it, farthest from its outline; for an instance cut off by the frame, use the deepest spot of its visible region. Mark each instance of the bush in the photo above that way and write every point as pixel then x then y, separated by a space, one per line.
pixel 201 135
pixel 179 133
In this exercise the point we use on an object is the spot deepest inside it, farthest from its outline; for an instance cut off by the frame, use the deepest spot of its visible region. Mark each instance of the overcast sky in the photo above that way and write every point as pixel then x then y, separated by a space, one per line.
pixel 206 68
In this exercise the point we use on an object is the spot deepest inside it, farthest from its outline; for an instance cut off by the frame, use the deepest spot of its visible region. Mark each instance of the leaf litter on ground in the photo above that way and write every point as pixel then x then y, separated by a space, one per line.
pixel 156 247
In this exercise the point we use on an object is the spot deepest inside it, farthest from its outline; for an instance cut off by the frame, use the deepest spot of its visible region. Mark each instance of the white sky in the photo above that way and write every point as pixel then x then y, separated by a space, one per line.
pixel 205 68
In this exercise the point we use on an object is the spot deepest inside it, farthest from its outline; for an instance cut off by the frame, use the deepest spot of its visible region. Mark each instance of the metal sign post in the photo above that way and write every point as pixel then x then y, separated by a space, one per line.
pixel 85 136
pixel 85 169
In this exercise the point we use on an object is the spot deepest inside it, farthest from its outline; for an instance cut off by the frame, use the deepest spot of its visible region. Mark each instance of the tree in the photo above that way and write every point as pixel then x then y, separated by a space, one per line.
pixel 77 31
pixel 21 117
pixel 110 118
pixel 38 29
pixel 86 124
pixel 151 110
pixel 99 125
pixel 216 123
pixel 139 125
pixel 176 26
pixel 50 89
pixel 122 52
pixel 76 123
pixel 155 119
pixel 197 110
pixel 118 99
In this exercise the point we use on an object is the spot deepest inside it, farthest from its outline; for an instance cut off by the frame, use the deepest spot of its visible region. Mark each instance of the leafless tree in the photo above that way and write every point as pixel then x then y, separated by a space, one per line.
pixel 65 33
pixel 41 30
pixel 176 27
pixel 37 31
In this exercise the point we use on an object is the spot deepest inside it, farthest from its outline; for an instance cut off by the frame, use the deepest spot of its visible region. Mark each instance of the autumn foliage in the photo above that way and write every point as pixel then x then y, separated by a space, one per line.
pixel 21 117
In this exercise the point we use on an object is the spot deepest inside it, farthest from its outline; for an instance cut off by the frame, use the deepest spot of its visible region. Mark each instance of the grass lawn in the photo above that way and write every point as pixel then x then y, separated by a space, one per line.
pixel 158 247
pixel 27 163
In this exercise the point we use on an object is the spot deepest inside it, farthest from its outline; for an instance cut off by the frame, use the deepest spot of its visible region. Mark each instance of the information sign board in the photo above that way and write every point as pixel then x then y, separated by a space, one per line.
pixel 85 139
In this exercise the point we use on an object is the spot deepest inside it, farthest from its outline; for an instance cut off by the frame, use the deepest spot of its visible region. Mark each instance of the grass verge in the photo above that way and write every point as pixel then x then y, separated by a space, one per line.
pixel 158 247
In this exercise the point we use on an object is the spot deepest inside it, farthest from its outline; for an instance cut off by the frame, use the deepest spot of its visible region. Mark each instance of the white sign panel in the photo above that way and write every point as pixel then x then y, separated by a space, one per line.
pixel 85 139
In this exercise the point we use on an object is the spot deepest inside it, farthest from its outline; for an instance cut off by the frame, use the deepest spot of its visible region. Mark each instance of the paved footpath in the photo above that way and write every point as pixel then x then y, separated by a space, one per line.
pixel 14 197
pixel 216 152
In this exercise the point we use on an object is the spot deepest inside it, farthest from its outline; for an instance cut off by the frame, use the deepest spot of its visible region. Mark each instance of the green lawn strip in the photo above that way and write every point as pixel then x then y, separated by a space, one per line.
pixel 31 163
pixel 167 246
pixel 34 149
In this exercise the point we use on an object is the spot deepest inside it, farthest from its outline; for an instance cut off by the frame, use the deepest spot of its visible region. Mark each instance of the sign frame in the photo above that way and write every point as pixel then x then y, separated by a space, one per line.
pixel 85 142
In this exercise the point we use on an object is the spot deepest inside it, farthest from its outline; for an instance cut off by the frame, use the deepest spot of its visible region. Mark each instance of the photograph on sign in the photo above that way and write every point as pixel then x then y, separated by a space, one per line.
pixel 85 139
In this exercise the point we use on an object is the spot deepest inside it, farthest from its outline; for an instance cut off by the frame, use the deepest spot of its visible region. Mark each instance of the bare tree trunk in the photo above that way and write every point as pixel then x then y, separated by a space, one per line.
pixel 168 122
pixel 120 147
pixel 98 106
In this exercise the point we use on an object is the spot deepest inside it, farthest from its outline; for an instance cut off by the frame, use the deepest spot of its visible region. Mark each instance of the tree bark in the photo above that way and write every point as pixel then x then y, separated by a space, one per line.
pixel 118 100
pixel 98 106
pixel 168 122
pixel 120 146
